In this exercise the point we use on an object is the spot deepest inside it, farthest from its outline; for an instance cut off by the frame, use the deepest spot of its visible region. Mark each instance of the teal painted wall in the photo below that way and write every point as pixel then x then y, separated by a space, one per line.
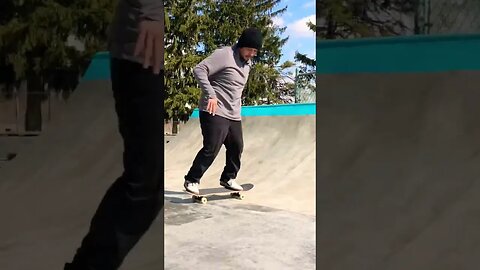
pixel 99 69
pixel 399 54
pixel 275 110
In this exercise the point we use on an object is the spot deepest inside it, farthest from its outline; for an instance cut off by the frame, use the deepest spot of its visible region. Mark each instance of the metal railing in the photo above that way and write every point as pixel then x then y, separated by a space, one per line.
pixel 449 16
pixel 305 87
pixel 409 17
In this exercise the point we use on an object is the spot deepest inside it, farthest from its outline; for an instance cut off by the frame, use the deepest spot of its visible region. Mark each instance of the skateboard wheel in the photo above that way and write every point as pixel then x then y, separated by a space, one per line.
pixel 202 200
pixel 237 195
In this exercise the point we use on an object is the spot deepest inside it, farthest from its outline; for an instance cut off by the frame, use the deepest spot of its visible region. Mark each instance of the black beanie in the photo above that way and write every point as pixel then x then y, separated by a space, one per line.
pixel 251 38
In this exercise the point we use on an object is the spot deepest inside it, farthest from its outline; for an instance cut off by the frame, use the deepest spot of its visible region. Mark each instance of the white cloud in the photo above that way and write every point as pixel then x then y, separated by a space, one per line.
pixel 299 28
pixel 278 21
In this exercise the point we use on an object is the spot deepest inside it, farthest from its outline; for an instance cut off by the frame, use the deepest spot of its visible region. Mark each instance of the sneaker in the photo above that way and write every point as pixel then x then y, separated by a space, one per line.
pixel 191 187
pixel 231 184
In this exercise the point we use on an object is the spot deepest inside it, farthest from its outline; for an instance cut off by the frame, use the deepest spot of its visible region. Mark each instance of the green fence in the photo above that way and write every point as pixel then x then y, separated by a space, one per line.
pixel 305 86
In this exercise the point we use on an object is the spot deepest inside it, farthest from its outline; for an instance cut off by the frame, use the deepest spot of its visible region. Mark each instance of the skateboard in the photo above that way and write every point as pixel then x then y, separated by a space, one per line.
pixel 202 197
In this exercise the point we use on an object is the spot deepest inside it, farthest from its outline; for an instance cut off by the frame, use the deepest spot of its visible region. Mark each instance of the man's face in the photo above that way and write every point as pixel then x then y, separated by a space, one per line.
pixel 248 53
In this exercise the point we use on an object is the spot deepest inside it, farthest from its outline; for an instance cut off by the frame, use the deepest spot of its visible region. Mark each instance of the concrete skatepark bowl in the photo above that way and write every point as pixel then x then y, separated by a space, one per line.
pixel 50 190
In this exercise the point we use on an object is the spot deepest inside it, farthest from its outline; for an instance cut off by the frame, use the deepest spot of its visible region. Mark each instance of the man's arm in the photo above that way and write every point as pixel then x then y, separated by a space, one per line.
pixel 208 67
pixel 150 42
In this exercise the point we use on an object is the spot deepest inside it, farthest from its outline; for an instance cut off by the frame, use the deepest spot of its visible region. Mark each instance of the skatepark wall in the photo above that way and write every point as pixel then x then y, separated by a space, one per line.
pixel 279 152
pixel 14 108
pixel 398 152
pixel 300 109
pixel 99 70
pixel 399 54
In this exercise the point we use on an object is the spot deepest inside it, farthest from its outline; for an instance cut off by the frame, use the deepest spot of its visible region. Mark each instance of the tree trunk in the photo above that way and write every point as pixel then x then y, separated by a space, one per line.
pixel 418 18
pixel 330 26
pixel 33 116
pixel 175 124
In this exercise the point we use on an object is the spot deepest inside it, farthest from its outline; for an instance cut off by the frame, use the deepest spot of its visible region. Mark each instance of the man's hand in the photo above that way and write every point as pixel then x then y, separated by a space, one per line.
pixel 150 44
pixel 212 105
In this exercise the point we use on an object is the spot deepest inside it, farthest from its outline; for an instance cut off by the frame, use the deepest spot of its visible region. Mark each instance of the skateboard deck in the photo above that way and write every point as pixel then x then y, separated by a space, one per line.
pixel 204 193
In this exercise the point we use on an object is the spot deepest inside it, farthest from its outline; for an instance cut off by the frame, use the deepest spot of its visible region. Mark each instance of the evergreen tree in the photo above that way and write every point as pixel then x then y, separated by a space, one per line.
pixel 36 47
pixel 195 28
pixel 183 27
pixel 305 77
pixel 307 64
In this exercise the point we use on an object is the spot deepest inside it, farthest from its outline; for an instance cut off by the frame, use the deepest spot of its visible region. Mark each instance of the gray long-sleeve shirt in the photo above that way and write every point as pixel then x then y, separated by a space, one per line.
pixel 223 75
pixel 124 30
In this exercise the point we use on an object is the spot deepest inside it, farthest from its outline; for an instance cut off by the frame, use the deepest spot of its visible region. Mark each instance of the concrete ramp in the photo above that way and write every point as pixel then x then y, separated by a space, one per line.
pixel 50 191
pixel 399 171
pixel 274 226
pixel 278 158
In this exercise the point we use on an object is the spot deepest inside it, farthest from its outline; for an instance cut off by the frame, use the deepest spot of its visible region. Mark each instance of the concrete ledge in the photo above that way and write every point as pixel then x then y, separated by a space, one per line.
pixel 300 109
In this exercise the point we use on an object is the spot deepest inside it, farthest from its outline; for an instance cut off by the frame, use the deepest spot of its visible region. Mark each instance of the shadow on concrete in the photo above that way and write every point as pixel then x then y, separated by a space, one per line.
pixel 189 200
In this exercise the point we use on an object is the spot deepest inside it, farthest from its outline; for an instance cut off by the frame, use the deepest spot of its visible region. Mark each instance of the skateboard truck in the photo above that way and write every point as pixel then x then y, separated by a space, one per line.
pixel 203 199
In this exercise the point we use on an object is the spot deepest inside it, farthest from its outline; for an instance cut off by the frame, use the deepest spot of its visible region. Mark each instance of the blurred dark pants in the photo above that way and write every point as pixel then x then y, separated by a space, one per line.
pixel 134 200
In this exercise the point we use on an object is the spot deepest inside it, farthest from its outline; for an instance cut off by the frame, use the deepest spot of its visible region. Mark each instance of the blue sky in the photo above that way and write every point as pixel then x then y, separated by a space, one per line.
pixel 301 38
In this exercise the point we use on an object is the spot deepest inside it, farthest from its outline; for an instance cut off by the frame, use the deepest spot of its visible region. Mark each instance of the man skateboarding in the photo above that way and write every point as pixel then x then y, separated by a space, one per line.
pixel 134 200
pixel 222 77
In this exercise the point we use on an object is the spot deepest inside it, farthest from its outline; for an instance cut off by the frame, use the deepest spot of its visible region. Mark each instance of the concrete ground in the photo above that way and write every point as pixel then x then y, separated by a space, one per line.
pixel 273 227
pixel 234 235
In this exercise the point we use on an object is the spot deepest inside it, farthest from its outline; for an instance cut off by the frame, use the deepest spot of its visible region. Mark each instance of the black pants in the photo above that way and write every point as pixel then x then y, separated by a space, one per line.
pixel 134 200
pixel 218 131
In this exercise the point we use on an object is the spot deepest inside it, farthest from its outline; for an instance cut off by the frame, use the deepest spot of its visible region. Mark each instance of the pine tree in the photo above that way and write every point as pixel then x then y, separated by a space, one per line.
pixel 305 73
pixel 307 64
pixel 183 27
pixel 34 43
pixel 195 28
